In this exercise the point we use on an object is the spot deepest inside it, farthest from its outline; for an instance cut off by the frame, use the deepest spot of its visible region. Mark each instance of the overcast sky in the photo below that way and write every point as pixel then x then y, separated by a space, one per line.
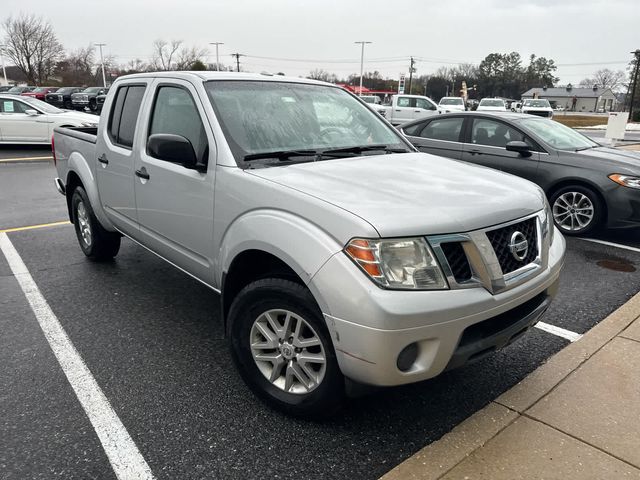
pixel 593 33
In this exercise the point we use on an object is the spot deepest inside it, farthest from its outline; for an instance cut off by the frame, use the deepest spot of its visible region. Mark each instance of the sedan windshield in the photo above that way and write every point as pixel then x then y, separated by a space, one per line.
pixel 286 121
pixel 557 135
pixel 40 105
pixel 537 103
pixel 487 102
pixel 43 90
pixel 451 101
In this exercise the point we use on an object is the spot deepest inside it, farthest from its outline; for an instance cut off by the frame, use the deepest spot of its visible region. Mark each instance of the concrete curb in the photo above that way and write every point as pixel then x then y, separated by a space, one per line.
pixel 438 458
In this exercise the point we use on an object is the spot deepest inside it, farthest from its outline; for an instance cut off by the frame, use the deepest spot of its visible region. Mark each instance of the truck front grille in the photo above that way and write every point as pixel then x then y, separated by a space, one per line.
pixel 501 238
pixel 457 260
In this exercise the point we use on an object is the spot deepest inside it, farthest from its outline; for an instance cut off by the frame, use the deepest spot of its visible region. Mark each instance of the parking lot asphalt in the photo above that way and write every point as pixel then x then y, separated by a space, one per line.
pixel 151 336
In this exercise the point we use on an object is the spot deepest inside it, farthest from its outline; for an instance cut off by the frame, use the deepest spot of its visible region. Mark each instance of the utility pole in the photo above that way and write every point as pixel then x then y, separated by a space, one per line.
pixel 237 55
pixel 104 78
pixel 4 71
pixel 453 87
pixel 363 43
pixel 411 73
pixel 217 57
pixel 635 84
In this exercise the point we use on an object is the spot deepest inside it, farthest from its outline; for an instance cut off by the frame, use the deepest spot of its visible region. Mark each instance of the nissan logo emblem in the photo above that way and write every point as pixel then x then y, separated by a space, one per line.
pixel 518 246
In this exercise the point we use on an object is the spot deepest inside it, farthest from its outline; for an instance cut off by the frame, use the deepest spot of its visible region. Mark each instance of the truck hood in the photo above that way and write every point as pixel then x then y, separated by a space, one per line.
pixel 413 193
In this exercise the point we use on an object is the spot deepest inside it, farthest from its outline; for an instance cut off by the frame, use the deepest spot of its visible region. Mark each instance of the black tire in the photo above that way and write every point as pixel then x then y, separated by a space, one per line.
pixel 279 294
pixel 97 243
pixel 67 105
pixel 93 105
pixel 586 198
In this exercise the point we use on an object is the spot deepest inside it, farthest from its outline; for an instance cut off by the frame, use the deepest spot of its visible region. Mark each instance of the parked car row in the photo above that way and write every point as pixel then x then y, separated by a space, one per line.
pixel 587 185
pixel 76 98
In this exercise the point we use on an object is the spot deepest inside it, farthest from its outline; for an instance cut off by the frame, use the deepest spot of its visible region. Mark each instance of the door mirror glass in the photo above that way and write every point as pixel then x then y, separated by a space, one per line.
pixel 173 148
pixel 32 113
pixel 520 147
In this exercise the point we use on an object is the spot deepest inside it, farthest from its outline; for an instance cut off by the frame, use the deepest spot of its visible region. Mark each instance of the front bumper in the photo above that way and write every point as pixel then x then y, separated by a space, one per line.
pixel 623 207
pixel 370 326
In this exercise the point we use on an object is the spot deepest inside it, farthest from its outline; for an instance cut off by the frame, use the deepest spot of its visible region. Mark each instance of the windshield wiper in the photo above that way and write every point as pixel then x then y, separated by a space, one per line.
pixel 280 154
pixel 360 149
pixel 583 148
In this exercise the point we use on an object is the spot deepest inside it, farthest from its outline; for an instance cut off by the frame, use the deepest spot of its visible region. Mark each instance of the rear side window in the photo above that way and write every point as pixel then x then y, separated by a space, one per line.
pixel 124 114
pixel 443 129
pixel 175 112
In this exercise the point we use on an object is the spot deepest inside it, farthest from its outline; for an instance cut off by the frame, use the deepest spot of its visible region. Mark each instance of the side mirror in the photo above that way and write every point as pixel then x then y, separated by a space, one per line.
pixel 521 147
pixel 32 113
pixel 175 149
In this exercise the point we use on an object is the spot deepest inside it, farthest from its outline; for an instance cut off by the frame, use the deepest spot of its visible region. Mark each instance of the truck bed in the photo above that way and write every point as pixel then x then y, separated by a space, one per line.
pixel 87 134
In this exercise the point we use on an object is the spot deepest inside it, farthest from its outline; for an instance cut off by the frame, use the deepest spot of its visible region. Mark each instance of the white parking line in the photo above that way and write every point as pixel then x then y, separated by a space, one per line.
pixel 560 332
pixel 125 458
pixel 611 244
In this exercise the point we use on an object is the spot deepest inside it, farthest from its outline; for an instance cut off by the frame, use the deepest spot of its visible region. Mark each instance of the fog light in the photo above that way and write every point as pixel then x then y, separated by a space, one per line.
pixel 407 357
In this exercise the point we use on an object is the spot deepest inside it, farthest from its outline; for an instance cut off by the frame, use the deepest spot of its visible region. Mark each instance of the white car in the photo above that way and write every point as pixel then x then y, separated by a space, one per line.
pixel 451 104
pixel 31 121
pixel 537 106
pixel 492 105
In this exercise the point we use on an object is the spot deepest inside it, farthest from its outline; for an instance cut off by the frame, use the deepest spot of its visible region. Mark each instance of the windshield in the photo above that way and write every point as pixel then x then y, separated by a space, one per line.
pixel 43 90
pixel 40 105
pixel 65 90
pixel 536 103
pixel 92 90
pixel 557 135
pixel 451 101
pixel 488 102
pixel 18 89
pixel 260 117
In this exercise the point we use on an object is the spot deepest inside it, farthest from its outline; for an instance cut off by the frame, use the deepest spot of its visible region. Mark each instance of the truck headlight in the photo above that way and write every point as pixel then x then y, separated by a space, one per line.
pixel 548 226
pixel 625 180
pixel 403 264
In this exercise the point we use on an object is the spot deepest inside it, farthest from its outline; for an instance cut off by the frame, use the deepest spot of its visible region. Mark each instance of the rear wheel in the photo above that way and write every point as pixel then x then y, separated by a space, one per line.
pixel 93 106
pixel 283 350
pixel 577 210
pixel 96 242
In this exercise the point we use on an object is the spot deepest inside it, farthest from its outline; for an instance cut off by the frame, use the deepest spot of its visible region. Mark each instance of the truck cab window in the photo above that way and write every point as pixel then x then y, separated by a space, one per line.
pixel 175 112
pixel 124 114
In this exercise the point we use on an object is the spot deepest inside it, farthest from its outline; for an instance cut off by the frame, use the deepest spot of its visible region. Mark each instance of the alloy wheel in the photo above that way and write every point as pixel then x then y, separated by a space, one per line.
pixel 288 351
pixel 83 224
pixel 573 211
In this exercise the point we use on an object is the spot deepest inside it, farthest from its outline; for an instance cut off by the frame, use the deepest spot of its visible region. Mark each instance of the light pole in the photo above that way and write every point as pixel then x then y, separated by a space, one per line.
pixel 363 43
pixel 104 78
pixel 636 53
pixel 217 58
pixel 4 71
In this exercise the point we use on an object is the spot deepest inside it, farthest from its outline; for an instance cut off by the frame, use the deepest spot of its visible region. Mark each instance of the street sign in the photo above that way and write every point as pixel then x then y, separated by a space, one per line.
pixel 401 84
pixel 617 125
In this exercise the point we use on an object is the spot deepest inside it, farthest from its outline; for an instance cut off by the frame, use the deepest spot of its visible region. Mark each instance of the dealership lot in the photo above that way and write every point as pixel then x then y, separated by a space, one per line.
pixel 152 339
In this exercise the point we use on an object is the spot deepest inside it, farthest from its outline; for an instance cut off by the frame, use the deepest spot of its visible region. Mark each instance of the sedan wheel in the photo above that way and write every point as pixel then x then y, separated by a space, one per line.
pixel 576 210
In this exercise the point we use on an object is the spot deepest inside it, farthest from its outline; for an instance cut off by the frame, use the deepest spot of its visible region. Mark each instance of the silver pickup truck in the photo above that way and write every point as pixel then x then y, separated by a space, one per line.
pixel 338 251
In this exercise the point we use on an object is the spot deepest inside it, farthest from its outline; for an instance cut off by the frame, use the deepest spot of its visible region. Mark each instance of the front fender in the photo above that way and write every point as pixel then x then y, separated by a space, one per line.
pixel 79 165
pixel 302 245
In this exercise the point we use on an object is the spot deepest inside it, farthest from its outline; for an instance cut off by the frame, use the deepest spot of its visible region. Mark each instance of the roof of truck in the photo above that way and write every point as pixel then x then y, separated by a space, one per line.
pixel 207 75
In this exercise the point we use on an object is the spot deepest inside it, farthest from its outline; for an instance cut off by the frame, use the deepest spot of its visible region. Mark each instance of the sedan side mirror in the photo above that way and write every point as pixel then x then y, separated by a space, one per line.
pixel 174 149
pixel 32 113
pixel 521 147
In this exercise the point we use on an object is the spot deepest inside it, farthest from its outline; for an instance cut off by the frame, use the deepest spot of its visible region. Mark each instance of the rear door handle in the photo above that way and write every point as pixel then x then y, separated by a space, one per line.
pixel 103 159
pixel 142 173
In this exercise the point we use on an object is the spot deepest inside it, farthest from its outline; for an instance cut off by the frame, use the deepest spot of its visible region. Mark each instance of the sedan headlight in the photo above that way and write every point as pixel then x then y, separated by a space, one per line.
pixel 626 180
pixel 404 264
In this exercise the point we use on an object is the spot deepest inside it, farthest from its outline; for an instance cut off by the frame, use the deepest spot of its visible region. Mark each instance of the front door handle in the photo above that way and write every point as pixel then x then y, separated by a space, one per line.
pixel 142 173
pixel 474 152
pixel 103 159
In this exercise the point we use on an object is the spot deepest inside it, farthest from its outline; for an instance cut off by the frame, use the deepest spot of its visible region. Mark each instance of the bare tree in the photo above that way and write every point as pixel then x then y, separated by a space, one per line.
pixel 322 75
pixel 32 45
pixel 77 67
pixel 164 54
pixel 135 66
pixel 187 57
pixel 605 78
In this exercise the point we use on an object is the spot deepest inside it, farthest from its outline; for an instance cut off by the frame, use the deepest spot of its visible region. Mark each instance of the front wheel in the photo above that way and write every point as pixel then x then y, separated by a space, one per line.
pixel 577 210
pixel 282 348
pixel 93 106
pixel 95 242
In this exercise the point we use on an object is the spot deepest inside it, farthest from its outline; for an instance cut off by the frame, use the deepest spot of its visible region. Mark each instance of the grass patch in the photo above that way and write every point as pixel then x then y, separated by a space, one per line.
pixel 577 121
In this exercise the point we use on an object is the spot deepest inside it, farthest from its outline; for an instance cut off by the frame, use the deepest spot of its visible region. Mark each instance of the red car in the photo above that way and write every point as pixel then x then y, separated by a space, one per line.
pixel 39 92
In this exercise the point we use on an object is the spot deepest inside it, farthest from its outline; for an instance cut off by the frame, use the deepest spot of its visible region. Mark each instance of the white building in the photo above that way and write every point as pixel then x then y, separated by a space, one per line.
pixel 586 99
